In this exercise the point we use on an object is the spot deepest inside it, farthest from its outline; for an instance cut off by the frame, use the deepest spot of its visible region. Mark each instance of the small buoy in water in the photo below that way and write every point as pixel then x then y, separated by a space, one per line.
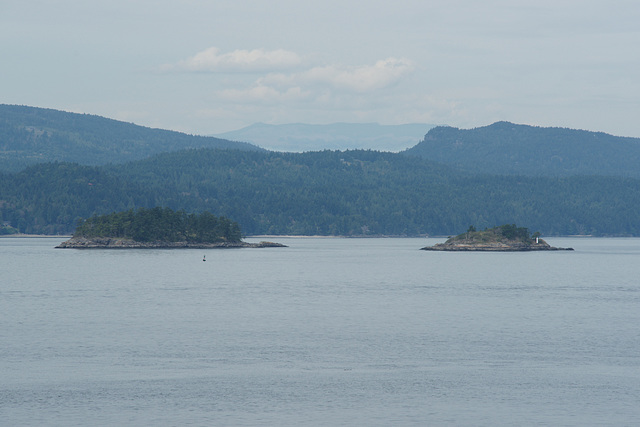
pixel 204 258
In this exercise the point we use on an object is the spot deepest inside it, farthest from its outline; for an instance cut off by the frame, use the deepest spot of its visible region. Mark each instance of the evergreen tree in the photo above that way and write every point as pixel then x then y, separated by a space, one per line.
pixel 160 224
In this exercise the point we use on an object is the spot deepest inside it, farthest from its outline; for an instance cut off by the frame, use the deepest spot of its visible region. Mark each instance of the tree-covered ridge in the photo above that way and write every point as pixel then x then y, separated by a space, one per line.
pixel 160 225
pixel 31 135
pixel 507 148
pixel 50 198
pixel 349 193
pixel 507 233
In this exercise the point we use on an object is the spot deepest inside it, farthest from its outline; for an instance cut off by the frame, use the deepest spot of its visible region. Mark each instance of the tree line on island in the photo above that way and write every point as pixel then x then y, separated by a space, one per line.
pixel 502 233
pixel 160 225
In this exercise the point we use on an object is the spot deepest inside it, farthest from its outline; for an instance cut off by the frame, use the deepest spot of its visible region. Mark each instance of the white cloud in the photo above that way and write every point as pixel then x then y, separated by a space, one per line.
pixel 361 78
pixel 257 60
pixel 263 94
pixel 323 82
pixel 364 78
pixel 284 83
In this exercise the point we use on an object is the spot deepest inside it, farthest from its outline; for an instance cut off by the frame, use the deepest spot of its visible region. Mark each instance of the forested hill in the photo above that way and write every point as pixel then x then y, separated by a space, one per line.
pixel 31 135
pixel 348 193
pixel 507 148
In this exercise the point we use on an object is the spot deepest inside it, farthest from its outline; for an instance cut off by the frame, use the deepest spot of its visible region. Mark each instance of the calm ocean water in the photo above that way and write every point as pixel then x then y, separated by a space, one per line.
pixel 326 332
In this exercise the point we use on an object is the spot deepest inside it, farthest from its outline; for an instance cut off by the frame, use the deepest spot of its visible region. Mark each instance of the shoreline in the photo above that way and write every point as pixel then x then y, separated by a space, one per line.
pixel 493 247
pixel 118 243
pixel 36 236
pixel 301 236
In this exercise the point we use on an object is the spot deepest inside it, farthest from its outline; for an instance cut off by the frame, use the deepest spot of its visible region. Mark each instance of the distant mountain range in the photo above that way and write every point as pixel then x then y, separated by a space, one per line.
pixel 90 165
pixel 301 137
pixel 507 148
pixel 30 135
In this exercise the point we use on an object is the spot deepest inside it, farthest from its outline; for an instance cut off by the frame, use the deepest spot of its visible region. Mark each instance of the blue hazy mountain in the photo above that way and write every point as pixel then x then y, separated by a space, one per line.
pixel 299 137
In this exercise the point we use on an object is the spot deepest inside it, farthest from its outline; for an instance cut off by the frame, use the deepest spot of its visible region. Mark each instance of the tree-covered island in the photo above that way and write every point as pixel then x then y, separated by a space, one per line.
pixel 158 228
pixel 504 238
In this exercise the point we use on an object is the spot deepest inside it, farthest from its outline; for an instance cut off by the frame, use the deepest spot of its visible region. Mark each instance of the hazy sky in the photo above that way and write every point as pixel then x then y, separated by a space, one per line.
pixel 210 66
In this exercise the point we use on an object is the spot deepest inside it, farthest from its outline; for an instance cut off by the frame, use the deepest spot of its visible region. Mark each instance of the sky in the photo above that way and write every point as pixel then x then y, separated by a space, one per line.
pixel 207 67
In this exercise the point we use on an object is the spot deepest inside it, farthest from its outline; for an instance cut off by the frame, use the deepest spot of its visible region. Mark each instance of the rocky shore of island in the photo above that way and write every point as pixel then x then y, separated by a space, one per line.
pixel 119 243
pixel 505 238
pixel 493 247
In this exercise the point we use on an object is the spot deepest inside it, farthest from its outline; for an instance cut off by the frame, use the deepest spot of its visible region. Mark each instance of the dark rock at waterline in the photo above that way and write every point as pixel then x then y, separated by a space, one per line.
pixel 119 243
pixel 493 247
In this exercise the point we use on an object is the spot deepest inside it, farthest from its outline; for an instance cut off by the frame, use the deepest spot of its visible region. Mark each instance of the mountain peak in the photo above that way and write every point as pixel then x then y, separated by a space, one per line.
pixel 516 149
pixel 31 135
